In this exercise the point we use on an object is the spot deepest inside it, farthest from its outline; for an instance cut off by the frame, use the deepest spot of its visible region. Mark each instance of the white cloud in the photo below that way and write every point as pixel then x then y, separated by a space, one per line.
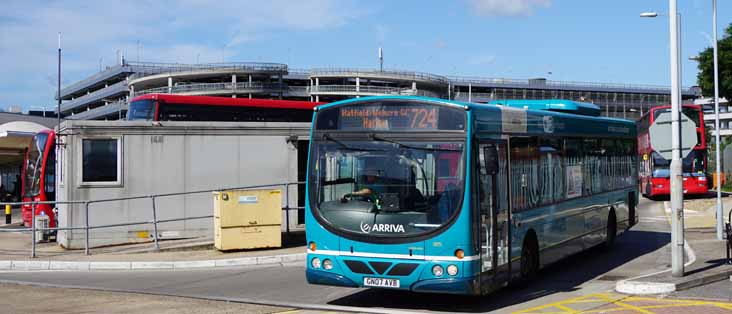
pixel 508 7
pixel 169 31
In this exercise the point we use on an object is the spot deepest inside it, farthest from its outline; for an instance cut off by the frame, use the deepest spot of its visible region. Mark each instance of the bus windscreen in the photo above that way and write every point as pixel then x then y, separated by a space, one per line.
pixel 141 110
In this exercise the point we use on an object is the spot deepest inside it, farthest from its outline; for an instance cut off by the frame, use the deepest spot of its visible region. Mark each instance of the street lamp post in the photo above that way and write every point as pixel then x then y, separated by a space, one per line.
pixel 677 188
pixel 720 212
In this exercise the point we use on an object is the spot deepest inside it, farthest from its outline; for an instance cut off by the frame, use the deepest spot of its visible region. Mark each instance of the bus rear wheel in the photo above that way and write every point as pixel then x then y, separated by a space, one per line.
pixel 529 259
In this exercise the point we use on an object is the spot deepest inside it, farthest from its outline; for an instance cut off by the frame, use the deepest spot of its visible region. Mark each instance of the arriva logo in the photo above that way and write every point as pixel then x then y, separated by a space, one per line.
pixel 366 228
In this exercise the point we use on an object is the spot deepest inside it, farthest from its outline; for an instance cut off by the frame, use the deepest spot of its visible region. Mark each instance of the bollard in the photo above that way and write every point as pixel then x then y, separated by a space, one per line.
pixel 287 209
pixel 8 212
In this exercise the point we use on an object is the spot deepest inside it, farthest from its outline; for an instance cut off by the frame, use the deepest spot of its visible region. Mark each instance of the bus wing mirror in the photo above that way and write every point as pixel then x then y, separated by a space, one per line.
pixel 490 157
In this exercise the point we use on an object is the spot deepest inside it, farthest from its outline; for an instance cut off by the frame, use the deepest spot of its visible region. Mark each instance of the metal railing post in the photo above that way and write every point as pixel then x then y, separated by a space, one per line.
pixel 287 208
pixel 86 229
pixel 155 224
pixel 33 230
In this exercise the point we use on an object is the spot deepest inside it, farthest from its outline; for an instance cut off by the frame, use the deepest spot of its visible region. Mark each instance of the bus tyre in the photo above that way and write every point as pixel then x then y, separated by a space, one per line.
pixel 529 259
pixel 612 230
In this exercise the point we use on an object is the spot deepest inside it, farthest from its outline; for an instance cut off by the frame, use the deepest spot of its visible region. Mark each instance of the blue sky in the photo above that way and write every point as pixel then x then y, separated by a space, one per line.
pixel 574 40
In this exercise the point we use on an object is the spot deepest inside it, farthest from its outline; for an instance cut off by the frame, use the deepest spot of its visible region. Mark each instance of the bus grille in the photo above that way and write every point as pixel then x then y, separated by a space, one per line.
pixel 380 267
pixel 358 267
pixel 402 269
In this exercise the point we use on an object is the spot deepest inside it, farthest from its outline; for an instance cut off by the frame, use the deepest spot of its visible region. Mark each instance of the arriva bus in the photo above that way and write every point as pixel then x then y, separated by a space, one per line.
pixel 433 195
pixel 654 174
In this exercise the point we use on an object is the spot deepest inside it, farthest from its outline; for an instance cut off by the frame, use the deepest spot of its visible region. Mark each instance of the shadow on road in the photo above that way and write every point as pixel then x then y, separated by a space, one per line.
pixel 564 276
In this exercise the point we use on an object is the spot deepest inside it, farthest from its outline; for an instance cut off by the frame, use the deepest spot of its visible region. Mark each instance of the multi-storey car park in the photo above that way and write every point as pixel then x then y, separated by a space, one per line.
pixel 105 95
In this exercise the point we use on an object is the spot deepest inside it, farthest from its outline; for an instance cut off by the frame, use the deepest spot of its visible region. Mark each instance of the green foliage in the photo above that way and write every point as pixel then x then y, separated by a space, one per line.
pixel 705 78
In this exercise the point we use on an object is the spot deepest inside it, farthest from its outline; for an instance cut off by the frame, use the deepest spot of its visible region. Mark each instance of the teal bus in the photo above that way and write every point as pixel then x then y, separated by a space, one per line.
pixel 433 195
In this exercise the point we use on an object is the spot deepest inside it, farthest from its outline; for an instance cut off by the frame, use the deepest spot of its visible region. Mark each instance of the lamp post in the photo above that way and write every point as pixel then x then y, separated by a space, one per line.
pixel 720 212
pixel 677 188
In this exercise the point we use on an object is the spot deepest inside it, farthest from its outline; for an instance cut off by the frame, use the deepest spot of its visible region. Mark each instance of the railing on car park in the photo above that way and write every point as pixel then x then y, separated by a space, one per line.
pixel 155 221
pixel 143 69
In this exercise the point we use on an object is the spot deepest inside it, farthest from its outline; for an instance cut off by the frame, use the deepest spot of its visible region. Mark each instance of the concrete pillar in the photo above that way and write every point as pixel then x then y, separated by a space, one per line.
pixel 358 87
pixel 170 85
pixel 250 95
pixel 470 92
pixel 132 90
pixel 279 85
pixel 414 85
pixel 233 86
pixel 317 98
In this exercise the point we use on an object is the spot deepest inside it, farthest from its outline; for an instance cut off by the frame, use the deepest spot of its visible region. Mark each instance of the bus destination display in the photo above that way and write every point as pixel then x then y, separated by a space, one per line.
pixel 389 118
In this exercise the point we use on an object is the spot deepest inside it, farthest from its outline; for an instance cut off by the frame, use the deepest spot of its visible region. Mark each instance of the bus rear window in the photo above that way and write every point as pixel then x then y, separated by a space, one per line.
pixel 141 110
pixel 692 113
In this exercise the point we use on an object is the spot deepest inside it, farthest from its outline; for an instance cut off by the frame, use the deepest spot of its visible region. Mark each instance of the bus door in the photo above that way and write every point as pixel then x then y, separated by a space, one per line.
pixel 494 213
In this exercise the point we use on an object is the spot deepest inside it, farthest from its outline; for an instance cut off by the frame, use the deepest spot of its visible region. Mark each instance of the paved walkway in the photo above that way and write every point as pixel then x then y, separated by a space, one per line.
pixel 623 304
pixel 705 255
pixel 15 254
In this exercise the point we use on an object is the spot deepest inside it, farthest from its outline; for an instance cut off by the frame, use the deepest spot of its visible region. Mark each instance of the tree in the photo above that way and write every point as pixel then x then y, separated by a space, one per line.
pixel 705 78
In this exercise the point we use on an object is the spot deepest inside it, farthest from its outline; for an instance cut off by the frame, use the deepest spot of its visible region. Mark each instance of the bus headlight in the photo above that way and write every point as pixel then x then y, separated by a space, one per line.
pixel 315 262
pixel 452 270
pixel 437 271
pixel 327 264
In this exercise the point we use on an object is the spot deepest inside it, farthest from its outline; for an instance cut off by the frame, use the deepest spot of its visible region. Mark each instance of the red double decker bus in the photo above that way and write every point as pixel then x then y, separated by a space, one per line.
pixel 39 177
pixel 165 107
pixel 654 174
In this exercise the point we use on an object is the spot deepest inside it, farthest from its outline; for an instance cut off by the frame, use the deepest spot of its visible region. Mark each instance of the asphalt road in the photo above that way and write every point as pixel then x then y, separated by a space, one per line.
pixel 636 252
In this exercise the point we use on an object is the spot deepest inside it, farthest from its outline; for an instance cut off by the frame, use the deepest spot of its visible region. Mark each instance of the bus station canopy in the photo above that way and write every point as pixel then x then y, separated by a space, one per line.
pixel 16 131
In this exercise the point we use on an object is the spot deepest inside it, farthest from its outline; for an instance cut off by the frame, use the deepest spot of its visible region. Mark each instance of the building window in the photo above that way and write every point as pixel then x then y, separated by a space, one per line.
pixel 101 161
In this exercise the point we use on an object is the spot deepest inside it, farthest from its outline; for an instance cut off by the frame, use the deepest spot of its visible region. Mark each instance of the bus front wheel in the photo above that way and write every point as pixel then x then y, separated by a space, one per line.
pixel 529 258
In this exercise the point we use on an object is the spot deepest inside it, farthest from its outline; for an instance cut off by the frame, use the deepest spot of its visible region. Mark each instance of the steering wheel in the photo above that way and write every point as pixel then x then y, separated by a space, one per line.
pixel 365 198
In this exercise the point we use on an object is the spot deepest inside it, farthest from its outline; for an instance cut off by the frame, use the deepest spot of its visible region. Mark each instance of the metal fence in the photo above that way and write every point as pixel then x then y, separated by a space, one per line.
pixel 410 75
pixel 143 69
pixel 154 221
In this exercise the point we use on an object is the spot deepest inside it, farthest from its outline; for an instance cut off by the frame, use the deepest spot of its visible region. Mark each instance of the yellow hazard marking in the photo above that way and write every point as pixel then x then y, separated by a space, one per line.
pixel 609 303
pixel 143 234
pixel 288 312
pixel 627 306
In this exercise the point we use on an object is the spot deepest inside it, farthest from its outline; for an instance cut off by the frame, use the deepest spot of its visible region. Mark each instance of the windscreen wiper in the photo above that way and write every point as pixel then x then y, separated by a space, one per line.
pixel 381 139
pixel 327 137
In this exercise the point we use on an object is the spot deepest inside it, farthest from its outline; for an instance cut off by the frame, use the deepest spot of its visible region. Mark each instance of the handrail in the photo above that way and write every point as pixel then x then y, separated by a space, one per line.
pixel 378 90
pixel 155 221
pixel 211 87
pixel 144 69
pixel 550 83
pixel 391 72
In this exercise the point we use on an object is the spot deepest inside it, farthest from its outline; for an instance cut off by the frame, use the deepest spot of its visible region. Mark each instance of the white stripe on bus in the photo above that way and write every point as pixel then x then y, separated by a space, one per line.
pixel 397 256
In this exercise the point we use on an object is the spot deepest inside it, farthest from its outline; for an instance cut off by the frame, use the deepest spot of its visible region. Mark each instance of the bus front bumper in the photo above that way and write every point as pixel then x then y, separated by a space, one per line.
pixel 469 286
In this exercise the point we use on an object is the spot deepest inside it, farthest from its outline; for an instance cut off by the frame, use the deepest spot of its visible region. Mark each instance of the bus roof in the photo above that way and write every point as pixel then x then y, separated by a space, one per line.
pixel 662 107
pixel 228 101
pixel 490 118
pixel 559 105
